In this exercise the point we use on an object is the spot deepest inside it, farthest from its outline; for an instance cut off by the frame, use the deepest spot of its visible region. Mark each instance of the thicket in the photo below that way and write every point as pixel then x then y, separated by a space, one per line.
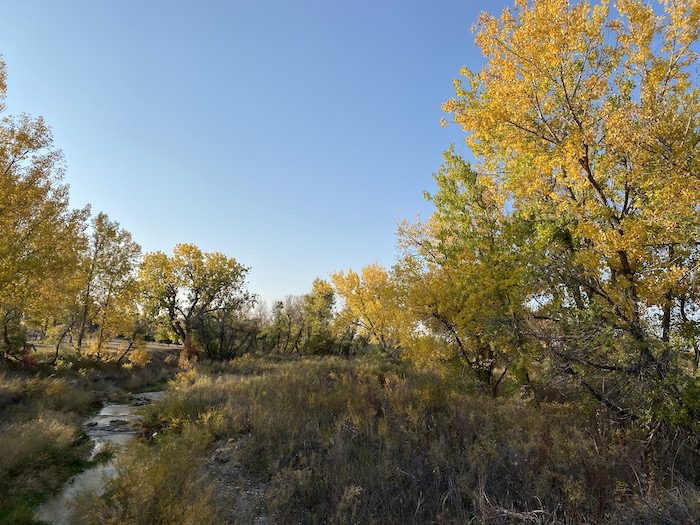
pixel 332 440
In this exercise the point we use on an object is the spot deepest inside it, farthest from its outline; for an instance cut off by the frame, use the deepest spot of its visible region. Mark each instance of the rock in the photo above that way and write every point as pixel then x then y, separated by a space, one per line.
pixel 221 455
pixel 119 425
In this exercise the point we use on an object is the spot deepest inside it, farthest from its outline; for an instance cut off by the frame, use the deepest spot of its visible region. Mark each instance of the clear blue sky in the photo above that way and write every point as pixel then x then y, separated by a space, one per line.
pixel 289 135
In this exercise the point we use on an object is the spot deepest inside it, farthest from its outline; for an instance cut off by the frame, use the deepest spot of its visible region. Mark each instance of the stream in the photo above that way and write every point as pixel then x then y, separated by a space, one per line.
pixel 113 426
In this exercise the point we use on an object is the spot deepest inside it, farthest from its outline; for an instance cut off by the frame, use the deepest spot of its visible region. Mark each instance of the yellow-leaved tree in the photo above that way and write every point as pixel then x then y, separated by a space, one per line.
pixel 587 120
pixel 40 235
pixel 370 305
pixel 108 271
pixel 200 296
pixel 462 280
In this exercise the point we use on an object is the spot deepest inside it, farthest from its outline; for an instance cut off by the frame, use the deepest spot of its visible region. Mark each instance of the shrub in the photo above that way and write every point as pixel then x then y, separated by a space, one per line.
pixel 156 484
pixel 371 442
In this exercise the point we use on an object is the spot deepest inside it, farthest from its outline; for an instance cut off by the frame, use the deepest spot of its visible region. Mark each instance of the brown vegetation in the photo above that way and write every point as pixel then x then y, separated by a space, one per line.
pixel 42 409
pixel 337 441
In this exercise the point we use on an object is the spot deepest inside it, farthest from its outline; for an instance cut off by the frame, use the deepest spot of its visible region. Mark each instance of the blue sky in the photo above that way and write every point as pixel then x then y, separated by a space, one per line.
pixel 289 135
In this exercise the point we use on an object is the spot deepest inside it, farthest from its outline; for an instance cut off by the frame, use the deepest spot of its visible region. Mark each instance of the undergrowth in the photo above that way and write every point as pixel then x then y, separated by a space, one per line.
pixel 42 409
pixel 359 441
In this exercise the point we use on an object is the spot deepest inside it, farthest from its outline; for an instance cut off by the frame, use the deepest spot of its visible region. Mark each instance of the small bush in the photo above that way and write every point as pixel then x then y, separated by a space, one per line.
pixel 139 357
pixel 156 484
pixel 62 395
pixel 34 441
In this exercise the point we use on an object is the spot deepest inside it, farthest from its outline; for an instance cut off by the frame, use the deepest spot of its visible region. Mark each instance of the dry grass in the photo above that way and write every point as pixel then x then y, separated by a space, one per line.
pixel 41 414
pixel 34 441
pixel 337 441
pixel 41 442
pixel 157 484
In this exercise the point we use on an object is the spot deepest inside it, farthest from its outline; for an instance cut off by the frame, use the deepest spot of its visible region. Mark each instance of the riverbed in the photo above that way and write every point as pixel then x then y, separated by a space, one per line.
pixel 114 426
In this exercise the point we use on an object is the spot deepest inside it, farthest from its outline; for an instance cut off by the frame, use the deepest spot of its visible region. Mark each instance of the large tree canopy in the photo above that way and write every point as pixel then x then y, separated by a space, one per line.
pixel 41 236
pixel 589 122
pixel 191 289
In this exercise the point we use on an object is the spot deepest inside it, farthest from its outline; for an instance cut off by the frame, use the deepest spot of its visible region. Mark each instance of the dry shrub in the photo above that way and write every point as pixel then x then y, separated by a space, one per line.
pixel 61 395
pixel 156 484
pixel 668 507
pixel 337 441
pixel 34 441
pixel 139 357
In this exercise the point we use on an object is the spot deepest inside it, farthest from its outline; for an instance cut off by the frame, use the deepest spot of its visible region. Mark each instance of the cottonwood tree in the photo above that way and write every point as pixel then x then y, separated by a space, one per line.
pixel 56 311
pixel 370 305
pixel 124 317
pixel 226 332
pixel 40 235
pixel 318 306
pixel 287 325
pixel 588 120
pixel 271 334
pixel 198 293
pixel 108 269
pixel 303 324
pixel 461 277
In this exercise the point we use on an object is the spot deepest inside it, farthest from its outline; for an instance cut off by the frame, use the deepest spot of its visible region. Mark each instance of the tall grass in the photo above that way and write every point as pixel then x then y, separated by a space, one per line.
pixel 157 484
pixel 34 441
pixel 41 414
pixel 41 442
pixel 337 441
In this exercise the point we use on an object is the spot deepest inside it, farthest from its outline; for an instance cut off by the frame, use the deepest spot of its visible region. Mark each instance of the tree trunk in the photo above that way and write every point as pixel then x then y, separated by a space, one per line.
pixel 60 341
pixel 126 352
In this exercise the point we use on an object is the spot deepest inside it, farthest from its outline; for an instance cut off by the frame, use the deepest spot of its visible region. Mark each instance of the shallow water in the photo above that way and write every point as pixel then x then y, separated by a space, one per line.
pixel 113 426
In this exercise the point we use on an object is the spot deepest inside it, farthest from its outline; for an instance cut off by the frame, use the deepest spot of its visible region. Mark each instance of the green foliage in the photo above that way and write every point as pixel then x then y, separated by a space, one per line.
pixel 463 280
pixel 578 121
pixel 318 313
pixel 302 324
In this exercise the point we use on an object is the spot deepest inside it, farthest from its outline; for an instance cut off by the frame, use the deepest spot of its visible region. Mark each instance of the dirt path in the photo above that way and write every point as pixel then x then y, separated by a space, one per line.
pixel 234 489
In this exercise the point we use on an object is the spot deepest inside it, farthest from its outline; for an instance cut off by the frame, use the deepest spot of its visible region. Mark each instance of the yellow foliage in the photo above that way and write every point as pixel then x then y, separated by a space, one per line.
pixel 139 357
pixel 371 303
pixel 590 121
